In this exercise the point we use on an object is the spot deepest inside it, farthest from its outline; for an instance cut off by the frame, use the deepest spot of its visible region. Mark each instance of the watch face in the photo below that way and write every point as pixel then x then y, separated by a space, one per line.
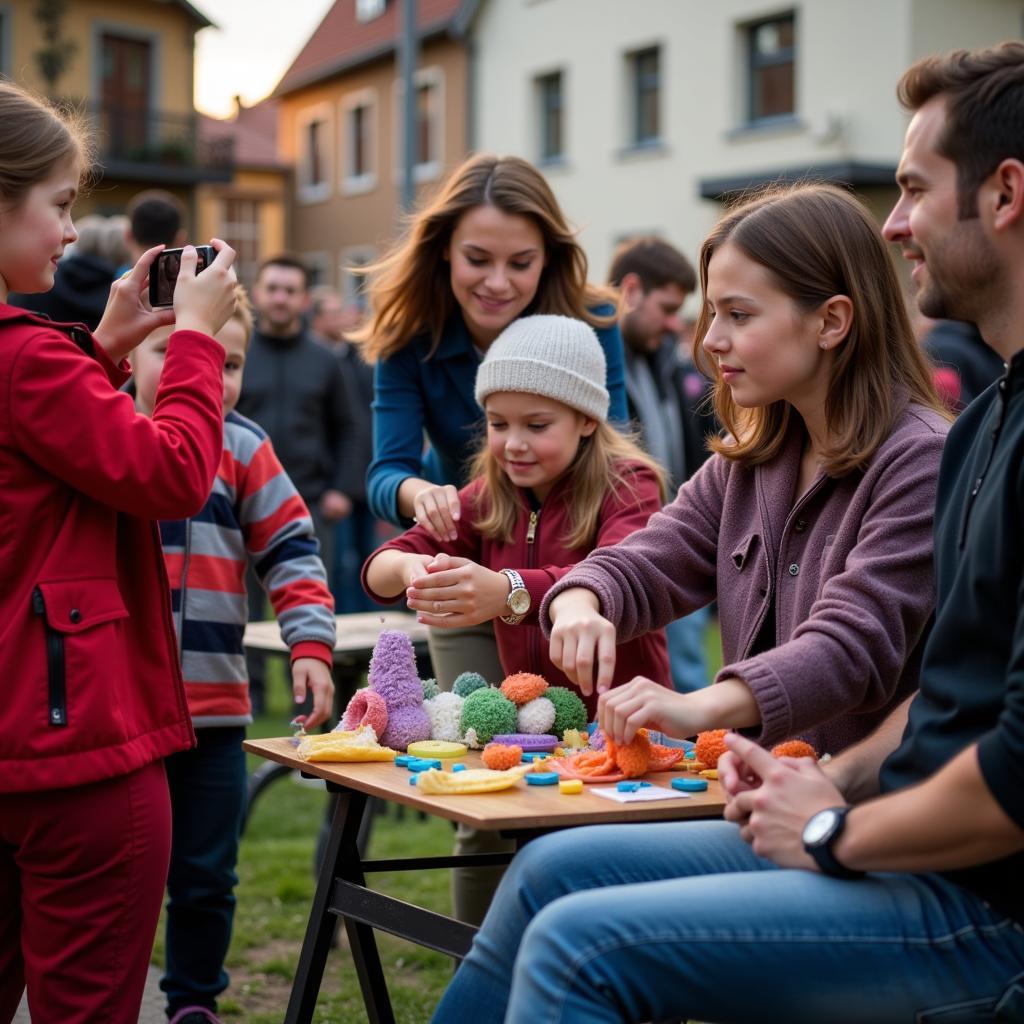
pixel 819 827
pixel 519 601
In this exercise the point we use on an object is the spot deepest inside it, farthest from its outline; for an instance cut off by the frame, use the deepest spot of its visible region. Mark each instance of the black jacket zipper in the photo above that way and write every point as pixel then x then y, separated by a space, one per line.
pixel 56 679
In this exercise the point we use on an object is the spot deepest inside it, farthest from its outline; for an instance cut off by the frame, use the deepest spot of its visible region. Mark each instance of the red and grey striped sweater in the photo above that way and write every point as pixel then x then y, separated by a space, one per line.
pixel 253 516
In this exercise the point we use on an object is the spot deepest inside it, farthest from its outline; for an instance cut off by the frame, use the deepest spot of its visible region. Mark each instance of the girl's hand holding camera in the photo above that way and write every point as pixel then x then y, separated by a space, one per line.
pixel 457 592
pixel 205 302
pixel 582 638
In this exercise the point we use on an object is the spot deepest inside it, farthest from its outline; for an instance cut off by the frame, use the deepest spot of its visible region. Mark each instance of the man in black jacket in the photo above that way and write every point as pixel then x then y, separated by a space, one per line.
pixel 665 392
pixel 294 389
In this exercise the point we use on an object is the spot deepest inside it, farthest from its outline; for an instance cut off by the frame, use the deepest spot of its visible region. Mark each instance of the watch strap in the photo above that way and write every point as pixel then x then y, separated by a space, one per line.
pixel 516 583
pixel 823 854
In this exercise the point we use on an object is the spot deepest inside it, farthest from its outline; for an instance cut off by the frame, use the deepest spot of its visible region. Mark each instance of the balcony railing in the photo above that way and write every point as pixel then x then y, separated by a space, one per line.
pixel 160 146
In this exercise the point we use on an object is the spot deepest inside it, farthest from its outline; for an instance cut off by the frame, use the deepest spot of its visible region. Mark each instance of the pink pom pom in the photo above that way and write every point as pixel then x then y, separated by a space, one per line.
pixel 366 708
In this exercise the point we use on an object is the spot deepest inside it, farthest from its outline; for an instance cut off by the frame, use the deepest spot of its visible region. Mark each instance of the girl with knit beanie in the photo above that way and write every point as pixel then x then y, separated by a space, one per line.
pixel 551 482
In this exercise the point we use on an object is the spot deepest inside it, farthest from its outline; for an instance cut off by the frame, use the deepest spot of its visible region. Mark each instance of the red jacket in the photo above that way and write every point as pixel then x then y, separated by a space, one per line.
pixel 90 686
pixel 543 561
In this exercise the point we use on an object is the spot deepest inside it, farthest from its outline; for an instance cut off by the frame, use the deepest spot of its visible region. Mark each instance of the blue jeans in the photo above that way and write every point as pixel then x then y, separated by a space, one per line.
pixel 681 920
pixel 686 658
pixel 208 787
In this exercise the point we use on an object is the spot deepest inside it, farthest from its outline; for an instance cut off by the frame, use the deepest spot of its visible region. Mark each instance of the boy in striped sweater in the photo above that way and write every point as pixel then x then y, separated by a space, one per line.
pixel 253 516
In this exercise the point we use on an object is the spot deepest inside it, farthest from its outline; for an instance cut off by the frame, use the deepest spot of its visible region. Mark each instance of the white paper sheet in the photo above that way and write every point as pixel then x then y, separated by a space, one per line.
pixel 641 795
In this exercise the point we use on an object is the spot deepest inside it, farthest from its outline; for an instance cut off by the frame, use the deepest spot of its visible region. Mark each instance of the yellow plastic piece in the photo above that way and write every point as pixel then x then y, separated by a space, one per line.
pixel 442 749
pixel 694 766
pixel 473 780
pixel 709 773
pixel 570 785
pixel 357 745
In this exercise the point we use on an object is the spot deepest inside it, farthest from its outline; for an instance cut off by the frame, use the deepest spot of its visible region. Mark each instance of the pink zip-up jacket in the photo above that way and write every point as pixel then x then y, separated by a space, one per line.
pixel 848 568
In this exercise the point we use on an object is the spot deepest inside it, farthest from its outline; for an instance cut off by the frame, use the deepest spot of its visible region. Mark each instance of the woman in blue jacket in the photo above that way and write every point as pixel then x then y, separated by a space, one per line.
pixel 492 246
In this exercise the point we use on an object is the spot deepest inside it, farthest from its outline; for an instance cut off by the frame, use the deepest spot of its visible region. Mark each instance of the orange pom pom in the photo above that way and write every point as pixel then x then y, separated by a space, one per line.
pixel 523 687
pixel 634 759
pixel 710 746
pixel 794 748
pixel 500 756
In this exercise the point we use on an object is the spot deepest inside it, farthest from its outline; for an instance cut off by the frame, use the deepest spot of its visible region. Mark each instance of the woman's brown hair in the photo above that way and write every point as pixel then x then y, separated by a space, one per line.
pixel 602 465
pixel 817 241
pixel 409 288
pixel 36 138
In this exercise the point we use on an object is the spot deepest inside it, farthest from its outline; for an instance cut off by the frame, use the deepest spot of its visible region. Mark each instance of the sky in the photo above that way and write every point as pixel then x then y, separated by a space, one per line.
pixel 252 46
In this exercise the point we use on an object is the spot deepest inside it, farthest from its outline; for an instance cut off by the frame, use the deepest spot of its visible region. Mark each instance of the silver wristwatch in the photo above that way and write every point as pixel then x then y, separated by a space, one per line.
pixel 518 600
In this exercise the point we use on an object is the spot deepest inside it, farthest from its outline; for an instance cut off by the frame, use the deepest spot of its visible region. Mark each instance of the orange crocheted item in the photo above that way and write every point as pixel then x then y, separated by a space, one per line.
pixel 615 763
pixel 500 756
pixel 710 746
pixel 523 687
pixel 794 748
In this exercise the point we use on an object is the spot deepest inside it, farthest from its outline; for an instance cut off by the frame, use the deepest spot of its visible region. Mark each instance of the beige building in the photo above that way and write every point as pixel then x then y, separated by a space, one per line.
pixel 130 63
pixel 340 128
pixel 250 211
pixel 645 119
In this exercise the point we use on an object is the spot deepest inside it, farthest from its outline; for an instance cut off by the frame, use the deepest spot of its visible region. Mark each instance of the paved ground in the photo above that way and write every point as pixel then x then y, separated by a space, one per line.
pixel 152 1003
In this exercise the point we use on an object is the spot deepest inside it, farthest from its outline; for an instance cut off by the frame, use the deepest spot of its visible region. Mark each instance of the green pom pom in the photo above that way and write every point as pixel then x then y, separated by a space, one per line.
pixel 466 683
pixel 430 690
pixel 488 714
pixel 570 711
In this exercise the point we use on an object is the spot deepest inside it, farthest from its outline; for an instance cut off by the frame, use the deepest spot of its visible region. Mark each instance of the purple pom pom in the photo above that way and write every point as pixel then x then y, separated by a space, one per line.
pixel 597 739
pixel 406 725
pixel 393 671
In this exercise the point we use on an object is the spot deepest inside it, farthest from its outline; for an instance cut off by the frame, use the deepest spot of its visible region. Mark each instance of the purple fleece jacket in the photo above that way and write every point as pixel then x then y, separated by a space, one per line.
pixel 849 567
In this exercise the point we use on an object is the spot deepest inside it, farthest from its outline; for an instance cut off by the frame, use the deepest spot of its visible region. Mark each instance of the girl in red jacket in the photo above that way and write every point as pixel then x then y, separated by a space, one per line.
pixel 551 482
pixel 91 697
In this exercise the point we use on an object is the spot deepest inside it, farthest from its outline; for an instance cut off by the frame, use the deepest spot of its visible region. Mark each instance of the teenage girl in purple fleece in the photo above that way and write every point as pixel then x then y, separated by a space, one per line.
pixel 811 525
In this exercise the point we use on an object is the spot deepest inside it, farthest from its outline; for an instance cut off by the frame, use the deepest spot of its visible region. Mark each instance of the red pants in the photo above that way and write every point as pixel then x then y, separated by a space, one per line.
pixel 82 874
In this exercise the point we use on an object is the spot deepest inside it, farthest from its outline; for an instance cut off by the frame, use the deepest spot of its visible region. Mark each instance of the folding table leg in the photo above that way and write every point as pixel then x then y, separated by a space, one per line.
pixel 320 929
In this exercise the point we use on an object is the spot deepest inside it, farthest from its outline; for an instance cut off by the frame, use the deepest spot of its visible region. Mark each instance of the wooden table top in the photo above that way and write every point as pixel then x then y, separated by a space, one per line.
pixel 522 807
pixel 357 632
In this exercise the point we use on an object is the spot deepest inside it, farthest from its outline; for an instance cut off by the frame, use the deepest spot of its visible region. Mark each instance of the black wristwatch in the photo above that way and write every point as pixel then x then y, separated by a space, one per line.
pixel 820 834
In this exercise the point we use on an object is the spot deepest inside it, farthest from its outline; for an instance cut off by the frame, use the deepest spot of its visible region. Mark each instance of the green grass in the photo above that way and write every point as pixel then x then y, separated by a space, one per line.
pixel 275 891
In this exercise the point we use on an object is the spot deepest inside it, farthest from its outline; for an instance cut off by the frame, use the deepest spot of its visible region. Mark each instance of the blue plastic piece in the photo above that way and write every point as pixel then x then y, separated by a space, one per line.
pixel 412 780
pixel 642 784
pixel 627 787
pixel 458 767
pixel 403 759
pixel 690 755
pixel 542 778
pixel 533 755
pixel 686 785
pixel 421 764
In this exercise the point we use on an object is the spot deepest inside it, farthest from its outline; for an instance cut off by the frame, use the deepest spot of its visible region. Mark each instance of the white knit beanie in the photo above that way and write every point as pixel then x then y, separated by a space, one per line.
pixel 554 356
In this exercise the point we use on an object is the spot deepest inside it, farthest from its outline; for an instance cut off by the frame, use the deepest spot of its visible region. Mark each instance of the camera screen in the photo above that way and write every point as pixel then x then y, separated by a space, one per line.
pixel 164 274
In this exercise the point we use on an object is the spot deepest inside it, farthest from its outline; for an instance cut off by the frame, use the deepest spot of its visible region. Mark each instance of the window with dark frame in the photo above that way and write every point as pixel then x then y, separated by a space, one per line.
pixel 771 59
pixel 359 141
pixel 426 126
pixel 646 65
pixel 315 174
pixel 551 104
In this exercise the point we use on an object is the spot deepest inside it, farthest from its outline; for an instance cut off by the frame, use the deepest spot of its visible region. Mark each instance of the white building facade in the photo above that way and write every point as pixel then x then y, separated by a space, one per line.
pixel 643 113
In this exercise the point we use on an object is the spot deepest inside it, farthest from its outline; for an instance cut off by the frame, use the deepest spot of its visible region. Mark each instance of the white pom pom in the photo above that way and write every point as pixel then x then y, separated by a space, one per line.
pixel 445 711
pixel 471 741
pixel 536 716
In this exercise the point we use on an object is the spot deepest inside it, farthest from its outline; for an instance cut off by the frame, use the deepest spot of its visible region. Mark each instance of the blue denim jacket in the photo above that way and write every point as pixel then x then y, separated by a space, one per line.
pixel 414 395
